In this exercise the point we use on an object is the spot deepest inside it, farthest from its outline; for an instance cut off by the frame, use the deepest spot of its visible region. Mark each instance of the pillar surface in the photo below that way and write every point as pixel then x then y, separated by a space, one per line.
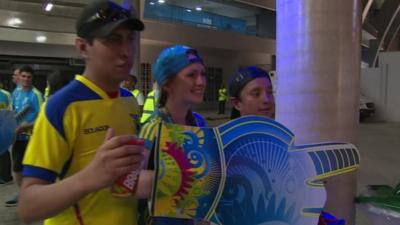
pixel 318 84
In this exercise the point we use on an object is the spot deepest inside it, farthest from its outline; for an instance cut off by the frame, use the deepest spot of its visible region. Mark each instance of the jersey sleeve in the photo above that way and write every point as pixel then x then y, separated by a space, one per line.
pixel 149 132
pixel 48 151
pixel 39 96
pixel 4 100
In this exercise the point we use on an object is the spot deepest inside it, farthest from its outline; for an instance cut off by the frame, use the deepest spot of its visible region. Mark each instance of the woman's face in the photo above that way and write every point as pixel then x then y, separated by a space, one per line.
pixel 256 98
pixel 188 85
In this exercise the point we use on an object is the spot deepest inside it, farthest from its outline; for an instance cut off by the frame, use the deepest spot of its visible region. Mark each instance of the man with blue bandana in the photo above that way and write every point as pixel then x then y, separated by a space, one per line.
pixel 180 75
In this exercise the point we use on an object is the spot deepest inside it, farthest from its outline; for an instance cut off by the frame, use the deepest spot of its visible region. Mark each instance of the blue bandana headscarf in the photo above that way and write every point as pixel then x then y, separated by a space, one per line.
pixel 172 60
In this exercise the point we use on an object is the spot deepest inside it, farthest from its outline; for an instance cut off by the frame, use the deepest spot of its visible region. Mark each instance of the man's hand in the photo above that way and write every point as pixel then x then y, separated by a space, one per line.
pixel 116 157
pixel 19 130
pixel 23 128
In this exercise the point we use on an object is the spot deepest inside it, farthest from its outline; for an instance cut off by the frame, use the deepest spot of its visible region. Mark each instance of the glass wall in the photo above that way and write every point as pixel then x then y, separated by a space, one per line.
pixel 208 14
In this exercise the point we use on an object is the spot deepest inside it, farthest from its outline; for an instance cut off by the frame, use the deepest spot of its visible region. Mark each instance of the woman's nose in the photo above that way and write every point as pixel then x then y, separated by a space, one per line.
pixel 200 80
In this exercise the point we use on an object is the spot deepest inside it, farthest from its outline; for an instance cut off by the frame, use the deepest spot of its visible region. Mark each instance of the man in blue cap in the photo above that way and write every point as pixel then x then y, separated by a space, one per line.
pixel 251 93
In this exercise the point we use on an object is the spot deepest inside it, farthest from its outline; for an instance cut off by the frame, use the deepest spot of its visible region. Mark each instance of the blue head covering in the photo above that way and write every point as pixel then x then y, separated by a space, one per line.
pixel 172 60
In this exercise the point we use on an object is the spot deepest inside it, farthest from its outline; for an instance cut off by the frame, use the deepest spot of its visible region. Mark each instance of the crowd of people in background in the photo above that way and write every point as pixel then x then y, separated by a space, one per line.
pixel 175 91
pixel 25 101
pixel 80 141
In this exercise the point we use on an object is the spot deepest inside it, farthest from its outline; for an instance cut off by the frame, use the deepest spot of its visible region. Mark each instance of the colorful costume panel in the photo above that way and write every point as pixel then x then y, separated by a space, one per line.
pixel 246 171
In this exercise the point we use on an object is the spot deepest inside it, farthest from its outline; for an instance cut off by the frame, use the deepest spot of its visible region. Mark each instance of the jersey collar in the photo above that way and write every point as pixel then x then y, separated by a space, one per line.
pixel 93 86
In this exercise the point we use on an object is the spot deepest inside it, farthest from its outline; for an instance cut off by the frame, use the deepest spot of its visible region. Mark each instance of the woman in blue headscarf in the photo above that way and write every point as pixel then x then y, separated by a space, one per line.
pixel 180 75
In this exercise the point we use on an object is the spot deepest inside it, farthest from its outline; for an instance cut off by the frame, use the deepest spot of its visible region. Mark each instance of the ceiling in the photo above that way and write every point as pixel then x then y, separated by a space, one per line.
pixel 224 8
pixel 62 8
pixel 72 8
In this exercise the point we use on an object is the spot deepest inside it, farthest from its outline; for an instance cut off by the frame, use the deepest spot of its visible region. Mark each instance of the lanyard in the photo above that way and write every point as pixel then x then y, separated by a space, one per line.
pixel 166 117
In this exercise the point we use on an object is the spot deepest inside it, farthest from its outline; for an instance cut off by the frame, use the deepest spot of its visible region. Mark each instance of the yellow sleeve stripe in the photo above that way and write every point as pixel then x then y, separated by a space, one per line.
pixel 148 133
pixel 92 86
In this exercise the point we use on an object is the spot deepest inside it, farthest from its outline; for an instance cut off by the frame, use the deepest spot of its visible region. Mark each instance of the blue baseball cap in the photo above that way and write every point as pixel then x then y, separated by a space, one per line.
pixel 244 76
pixel 172 60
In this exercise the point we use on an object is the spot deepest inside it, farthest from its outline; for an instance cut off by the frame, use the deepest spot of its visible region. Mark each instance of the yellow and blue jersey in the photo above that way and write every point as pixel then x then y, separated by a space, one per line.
pixel 5 99
pixel 70 127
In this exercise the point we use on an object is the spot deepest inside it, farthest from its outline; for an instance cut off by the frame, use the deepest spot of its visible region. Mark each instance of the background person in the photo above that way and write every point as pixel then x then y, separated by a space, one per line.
pixel 58 80
pixel 251 93
pixel 222 96
pixel 150 103
pixel 130 84
pixel 24 99
pixel 15 77
pixel 5 99
pixel 5 160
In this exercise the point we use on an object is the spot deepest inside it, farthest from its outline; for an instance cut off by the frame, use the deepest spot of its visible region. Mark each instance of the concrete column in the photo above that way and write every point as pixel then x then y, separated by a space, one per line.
pixel 318 69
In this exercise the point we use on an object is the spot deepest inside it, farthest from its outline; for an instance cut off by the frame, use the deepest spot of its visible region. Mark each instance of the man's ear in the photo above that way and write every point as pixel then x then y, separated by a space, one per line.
pixel 81 46
pixel 235 103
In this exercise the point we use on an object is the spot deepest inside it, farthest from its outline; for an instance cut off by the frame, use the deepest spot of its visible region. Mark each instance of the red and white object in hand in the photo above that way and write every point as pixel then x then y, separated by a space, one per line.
pixel 126 185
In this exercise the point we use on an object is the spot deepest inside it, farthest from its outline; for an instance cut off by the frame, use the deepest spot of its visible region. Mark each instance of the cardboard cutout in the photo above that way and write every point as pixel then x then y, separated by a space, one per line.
pixel 246 171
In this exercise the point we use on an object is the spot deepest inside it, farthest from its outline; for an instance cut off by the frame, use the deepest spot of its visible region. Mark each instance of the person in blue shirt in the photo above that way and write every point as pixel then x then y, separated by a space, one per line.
pixel 5 162
pixel 26 101
pixel 5 159
pixel 5 99
pixel 15 78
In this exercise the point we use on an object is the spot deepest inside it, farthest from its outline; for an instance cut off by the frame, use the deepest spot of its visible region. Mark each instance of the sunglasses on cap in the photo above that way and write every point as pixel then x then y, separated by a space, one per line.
pixel 110 12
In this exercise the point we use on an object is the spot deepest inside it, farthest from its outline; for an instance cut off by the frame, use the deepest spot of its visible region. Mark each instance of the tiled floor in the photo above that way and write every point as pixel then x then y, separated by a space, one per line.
pixel 378 144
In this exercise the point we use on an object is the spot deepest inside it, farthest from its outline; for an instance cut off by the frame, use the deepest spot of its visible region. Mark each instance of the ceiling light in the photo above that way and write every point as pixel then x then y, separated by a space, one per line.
pixel 161 1
pixel 152 3
pixel 188 10
pixel 41 38
pixel 198 8
pixel 14 22
pixel 48 7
